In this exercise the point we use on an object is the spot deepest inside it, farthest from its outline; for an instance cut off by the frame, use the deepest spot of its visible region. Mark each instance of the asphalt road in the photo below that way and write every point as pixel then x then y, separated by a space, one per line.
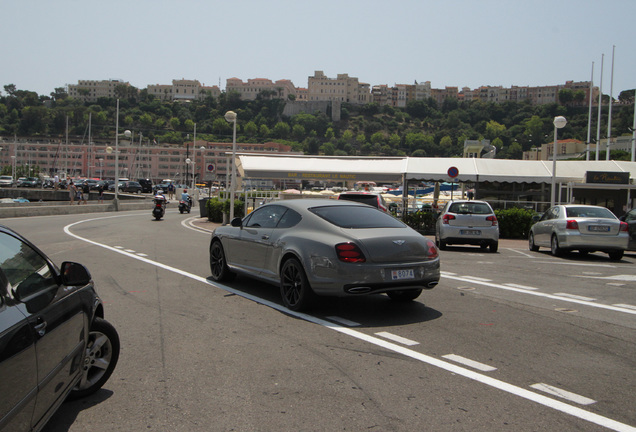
pixel 516 340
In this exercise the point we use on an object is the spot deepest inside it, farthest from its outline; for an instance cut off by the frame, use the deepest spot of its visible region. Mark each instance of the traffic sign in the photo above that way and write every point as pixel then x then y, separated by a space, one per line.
pixel 211 168
pixel 453 172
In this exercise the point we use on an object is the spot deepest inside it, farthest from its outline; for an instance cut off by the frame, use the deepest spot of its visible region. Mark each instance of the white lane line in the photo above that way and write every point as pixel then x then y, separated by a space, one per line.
pixel 433 361
pixel 142 254
pixel 470 363
pixel 572 397
pixel 396 338
pixel 573 296
pixel 544 295
pixel 343 321
pixel 448 273
pixel 523 287
pixel 628 306
pixel 528 255
pixel 130 250
pixel 475 278
pixel 575 264
pixel 626 278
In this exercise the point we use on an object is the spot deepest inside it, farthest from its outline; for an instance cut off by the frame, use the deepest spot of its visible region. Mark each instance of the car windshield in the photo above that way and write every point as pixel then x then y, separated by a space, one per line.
pixel 594 212
pixel 356 217
pixel 469 208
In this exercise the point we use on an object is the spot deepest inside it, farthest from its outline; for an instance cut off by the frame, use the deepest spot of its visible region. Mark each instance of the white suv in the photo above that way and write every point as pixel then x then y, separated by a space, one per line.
pixel 6 181
pixel 467 222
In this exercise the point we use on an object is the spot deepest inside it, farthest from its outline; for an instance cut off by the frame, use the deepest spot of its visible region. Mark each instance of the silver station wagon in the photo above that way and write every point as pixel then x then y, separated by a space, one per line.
pixel 585 228
pixel 321 247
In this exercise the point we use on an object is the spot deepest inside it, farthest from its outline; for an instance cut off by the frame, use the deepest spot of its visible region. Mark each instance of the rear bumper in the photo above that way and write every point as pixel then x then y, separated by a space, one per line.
pixel 593 243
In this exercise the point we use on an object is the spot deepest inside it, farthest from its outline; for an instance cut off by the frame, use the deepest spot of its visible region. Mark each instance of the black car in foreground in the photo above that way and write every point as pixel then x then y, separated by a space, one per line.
pixel 54 341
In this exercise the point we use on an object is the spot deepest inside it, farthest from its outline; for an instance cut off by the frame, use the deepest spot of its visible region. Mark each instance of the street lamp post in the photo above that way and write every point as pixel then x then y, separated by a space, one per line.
pixel 109 150
pixel 559 122
pixel 230 116
pixel 13 169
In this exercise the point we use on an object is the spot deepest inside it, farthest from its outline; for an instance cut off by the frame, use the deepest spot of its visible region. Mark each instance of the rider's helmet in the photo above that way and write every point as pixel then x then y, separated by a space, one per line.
pixel 185 190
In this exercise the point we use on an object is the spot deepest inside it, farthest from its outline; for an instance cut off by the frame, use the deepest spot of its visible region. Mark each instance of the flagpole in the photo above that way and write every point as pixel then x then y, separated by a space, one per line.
pixel 609 116
pixel 589 117
pixel 600 95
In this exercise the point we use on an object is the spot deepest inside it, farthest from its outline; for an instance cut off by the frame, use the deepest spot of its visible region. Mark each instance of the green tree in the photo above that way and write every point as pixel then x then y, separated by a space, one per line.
pixel 281 130
pixel 494 130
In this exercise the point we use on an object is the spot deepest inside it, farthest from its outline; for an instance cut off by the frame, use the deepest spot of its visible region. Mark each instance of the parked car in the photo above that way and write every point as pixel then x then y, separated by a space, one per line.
pixel 161 186
pixel 369 198
pixel 467 222
pixel 92 183
pixel 6 181
pixel 146 185
pixel 31 182
pixel 630 219
pixel 323 247
pixel 54 341
pixel 19 181
pixel 585 228
pixel 126 186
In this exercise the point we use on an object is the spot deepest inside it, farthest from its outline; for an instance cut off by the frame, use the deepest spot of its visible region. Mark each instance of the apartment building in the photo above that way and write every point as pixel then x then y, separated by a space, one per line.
pixel 566 149
pixel 249 90
pixel 182 90
pixel 343 88
pixel 91 90
pixel 154 161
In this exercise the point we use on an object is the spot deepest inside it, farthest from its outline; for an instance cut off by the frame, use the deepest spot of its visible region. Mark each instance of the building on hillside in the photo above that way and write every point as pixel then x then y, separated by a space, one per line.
pixel 146 160
pixel 91 90
pixel 566 149
pixel 249 90
pixel 182 90
pixel 343 88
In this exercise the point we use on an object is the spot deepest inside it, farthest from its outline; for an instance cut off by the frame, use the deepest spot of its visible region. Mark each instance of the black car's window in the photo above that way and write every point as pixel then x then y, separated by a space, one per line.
pixel 289 219
pixel 596 212
pixel 470 208
pixel 265 217
pixel 369 199
pixel 356 217
pixel 631 215
pixel 25 269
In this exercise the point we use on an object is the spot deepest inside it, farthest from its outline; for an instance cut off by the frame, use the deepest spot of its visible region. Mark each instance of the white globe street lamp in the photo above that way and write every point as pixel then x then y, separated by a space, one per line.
pixel 230 116
pixel 559 122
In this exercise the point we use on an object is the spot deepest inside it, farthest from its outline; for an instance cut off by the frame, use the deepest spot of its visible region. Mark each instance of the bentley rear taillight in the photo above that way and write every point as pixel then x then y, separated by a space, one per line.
pixel 349 252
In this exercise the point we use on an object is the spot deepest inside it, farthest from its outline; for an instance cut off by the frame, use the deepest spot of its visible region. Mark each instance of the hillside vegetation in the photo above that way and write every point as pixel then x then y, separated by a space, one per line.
pixel 423 128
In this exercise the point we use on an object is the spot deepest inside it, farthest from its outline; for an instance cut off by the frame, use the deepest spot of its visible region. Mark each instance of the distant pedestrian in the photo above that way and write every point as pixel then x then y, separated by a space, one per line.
pixel 170 191
pixel 56 182
pixel 86 193
pixel 100 191
pixel 72 191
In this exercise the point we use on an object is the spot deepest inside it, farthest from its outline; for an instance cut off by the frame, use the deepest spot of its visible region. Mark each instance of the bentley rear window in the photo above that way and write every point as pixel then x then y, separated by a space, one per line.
pixel 356 217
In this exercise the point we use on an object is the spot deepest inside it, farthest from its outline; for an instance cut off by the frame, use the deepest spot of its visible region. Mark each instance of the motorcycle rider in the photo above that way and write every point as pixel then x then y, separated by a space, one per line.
pixel 185 196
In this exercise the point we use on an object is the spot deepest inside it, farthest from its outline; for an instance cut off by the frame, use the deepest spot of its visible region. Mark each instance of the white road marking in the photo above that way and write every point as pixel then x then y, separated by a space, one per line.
pixel 344 321
pixel 475 278
pixel 575 264
pixel 130 250
pixel 398 339
pixel 433 361
pixel 628 306
pixel 572 296
pixel 573 397
pixel 470 363
pixel 528 255
pixel 540 294
pixel 142 254
pixel 521 286
pixel 626 278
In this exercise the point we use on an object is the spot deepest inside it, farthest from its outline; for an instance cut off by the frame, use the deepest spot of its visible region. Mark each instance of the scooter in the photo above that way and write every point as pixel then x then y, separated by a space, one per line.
pixel 185 206
pixel 160 206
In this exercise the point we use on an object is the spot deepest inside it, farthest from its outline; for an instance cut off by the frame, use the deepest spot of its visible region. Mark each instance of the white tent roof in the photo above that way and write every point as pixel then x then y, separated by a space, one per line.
pixel 327 168
pixel 299 167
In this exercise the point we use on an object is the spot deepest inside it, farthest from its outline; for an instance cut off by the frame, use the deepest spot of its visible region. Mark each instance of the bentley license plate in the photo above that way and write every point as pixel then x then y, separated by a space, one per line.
pixel 402 274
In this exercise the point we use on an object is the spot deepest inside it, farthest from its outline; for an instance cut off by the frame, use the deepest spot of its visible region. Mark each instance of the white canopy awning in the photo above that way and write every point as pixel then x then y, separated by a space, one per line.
pixel 327 168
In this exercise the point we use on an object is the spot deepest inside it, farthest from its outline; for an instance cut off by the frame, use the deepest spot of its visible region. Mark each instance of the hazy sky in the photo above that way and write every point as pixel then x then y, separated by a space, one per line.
pixel 50 43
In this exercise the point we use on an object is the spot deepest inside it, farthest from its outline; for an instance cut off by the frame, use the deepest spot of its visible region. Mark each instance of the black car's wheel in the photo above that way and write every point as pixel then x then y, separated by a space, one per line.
pixel 531 245
pixel 404 295
pixel 616 255
pixel 554 246
pixel 218 264
pixel 102 353
pixel 294 287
